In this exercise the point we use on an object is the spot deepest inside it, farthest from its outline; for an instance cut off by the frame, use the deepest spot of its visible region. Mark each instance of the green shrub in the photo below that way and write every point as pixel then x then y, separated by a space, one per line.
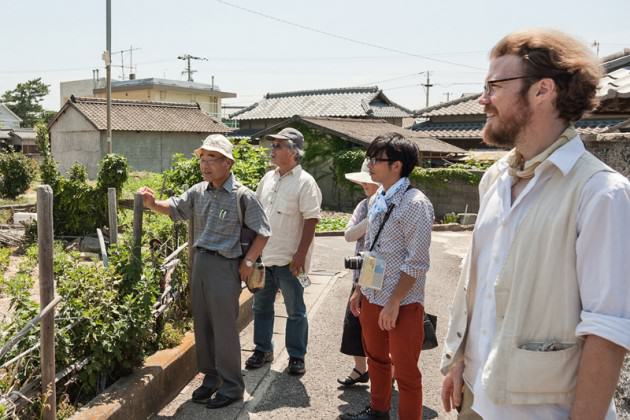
pixel 16 173
pixel 77 172
pixel 332 223
pixel 440 177
pixel 451 218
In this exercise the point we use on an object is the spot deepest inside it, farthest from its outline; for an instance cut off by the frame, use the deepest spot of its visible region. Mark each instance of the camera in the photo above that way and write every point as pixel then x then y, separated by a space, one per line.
pixel 353 263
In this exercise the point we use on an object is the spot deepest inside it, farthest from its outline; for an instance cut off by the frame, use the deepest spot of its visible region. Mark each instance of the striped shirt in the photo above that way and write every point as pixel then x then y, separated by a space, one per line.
pixel 404 244
pixel 215 217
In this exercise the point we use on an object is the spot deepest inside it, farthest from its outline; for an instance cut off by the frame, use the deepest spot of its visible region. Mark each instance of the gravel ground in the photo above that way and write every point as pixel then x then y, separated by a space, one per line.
pixel 622 396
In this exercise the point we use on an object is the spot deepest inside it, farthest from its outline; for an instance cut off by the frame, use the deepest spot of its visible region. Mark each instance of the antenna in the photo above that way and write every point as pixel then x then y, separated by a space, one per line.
pixel 189 70
pixel 130 50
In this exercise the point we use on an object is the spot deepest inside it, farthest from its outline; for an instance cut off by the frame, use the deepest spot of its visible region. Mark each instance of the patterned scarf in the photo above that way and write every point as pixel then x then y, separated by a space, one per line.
pixel 382 197
pixel 519 168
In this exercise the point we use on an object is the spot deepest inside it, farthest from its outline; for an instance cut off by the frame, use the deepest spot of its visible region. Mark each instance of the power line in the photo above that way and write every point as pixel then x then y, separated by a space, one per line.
pixel 343 37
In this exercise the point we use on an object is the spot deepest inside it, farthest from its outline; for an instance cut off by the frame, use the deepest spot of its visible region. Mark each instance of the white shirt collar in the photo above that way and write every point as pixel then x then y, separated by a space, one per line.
pixel 564 158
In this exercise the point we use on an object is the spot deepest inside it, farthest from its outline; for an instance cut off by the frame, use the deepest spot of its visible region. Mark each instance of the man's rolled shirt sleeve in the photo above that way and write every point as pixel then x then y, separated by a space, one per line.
pixel 417 222
pixel 603 263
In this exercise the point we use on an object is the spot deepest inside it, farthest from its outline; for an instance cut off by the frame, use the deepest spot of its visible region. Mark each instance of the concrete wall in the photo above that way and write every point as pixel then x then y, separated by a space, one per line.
pixel 613 149
pixel 454 196
pixel 153 151
pixel 74 139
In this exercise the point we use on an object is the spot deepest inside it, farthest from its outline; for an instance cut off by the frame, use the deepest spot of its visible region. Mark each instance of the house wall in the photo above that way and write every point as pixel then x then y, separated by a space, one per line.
pixel 74 139
pixel 455 196
pixel 153 151
pixel 7 120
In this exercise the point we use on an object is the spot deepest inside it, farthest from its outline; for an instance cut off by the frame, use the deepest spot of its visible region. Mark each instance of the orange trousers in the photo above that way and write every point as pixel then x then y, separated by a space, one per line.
pixel 403 343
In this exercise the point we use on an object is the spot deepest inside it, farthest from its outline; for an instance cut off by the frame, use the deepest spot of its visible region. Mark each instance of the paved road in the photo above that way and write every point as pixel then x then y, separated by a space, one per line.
pixel 272 394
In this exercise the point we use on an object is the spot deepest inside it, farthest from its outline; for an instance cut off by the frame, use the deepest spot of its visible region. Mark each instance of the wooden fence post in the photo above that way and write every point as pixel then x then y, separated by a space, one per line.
pixel 138 208
pixel 113 215
pixel 191 257
pixel 46 295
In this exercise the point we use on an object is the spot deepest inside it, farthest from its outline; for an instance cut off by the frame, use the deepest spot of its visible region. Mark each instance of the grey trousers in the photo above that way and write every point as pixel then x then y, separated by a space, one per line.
pixel 466 412
pixel 215 288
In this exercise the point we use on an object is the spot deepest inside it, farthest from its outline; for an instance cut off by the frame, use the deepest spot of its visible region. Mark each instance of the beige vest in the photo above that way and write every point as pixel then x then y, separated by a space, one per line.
pixel 537 299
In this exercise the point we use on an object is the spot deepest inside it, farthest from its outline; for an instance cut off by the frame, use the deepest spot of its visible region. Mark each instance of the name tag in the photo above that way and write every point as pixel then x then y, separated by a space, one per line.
pixel 372 271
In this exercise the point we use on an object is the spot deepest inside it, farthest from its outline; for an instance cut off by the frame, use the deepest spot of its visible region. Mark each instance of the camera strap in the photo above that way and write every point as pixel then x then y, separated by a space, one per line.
pixel 389 212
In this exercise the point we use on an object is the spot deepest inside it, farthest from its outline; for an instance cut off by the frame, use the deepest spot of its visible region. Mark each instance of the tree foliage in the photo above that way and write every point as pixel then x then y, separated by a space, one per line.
pixel 16 173
pixel 25 101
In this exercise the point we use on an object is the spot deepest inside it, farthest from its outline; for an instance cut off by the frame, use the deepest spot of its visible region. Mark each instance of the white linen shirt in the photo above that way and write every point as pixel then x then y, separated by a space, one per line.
pixel 602 268
pixel 288 200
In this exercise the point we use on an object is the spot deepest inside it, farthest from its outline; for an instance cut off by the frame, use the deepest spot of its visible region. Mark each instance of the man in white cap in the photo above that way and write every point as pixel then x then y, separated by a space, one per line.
pixel 217 268
pixel 292 201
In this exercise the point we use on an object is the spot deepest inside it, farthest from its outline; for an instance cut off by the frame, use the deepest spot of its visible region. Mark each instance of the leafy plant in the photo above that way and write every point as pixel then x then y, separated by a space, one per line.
pixel 16 173
pixel 440 177
pixel 451 218
pixel 332 223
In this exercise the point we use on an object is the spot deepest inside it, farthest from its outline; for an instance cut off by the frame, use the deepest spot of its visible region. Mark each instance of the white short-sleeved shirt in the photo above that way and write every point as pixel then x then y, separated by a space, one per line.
pixel 288 200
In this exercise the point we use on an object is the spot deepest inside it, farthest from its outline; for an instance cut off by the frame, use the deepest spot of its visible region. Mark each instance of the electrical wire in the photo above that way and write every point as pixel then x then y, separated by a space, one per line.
pixel 343 37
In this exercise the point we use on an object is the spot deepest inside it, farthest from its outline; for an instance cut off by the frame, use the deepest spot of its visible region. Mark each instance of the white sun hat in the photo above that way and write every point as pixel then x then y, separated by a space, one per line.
pixel 362 177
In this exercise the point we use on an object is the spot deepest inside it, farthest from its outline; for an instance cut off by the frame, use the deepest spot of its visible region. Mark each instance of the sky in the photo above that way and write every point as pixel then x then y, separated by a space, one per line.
pixel 254 47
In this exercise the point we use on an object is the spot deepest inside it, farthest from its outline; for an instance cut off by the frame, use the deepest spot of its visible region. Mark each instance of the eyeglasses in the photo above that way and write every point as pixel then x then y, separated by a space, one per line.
pixel 277 146
pixel 374 160
pixel 210 159
pixel 488 87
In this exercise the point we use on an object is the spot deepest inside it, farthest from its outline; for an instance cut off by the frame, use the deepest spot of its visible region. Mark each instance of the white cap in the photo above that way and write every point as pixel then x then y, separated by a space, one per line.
pixel 216 143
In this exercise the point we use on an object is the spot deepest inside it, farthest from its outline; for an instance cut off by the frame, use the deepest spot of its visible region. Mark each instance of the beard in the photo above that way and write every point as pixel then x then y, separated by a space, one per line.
pixel 502 131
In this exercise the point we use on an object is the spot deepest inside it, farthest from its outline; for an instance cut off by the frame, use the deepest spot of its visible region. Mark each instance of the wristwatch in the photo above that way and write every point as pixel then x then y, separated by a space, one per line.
pixel 249 263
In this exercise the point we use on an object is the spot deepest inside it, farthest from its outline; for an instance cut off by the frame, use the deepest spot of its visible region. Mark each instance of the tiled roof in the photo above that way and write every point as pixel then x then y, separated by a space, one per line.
pixel 364 131
pixel 342 102
pixel 472 130
pixel 145 116
pixel 615 84
pixel 466 105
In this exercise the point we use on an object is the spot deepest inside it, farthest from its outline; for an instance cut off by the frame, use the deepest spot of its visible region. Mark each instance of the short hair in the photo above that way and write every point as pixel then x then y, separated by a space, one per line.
pixel 397 148
pixel 548 53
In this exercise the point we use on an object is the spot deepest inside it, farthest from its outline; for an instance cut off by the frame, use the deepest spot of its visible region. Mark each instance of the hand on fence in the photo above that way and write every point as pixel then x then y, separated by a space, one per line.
pixel 148 197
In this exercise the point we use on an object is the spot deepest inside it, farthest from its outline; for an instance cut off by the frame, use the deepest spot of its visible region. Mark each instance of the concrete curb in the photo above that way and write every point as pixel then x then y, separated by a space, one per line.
pixel 162 377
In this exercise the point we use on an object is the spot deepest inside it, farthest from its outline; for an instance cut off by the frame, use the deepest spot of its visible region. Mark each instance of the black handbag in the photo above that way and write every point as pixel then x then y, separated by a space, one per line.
pixel 430 327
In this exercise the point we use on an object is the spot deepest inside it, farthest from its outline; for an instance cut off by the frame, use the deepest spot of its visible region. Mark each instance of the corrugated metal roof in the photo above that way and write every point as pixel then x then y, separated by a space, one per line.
pixel 364 131
pixel 342 102
pixel 145 116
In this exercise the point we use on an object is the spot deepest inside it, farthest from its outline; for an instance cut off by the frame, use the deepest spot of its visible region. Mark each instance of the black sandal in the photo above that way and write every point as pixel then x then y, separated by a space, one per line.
pixel 349 380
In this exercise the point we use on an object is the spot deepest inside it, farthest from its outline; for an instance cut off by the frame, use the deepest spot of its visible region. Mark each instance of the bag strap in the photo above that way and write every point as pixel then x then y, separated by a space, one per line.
pixel 240 192
pixel 389 211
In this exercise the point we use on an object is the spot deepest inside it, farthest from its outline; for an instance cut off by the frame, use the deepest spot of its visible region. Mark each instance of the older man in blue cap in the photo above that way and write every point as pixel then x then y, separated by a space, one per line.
pixel 292 201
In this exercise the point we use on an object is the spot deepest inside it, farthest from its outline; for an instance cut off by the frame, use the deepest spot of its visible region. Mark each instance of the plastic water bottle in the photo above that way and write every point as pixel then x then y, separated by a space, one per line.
pixel 304 280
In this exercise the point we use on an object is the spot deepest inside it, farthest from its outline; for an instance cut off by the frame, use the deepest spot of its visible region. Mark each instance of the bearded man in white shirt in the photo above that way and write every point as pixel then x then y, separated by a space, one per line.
pixel 540 319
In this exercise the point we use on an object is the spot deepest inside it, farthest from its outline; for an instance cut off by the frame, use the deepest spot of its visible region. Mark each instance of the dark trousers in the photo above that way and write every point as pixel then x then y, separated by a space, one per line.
pixel 215 288
pixel 351 343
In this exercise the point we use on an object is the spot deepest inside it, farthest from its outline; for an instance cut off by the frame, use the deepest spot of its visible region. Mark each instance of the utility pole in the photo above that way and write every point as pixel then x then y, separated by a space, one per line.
pixel 448 96
pixel 427 86
pixel 596 46
pixel 189 70
pixel 107 56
